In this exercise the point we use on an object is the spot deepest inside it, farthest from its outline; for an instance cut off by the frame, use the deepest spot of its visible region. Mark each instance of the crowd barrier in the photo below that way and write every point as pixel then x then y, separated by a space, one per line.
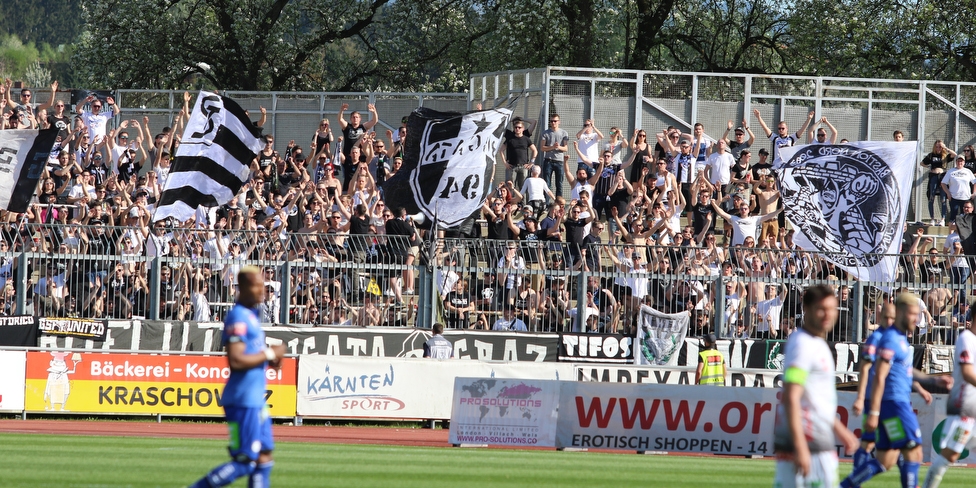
pixel 328 279
pixel 382 342
pixel 637 417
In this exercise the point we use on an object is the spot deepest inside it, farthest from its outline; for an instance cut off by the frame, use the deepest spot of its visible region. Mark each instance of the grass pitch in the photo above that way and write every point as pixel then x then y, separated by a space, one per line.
pixel 38 460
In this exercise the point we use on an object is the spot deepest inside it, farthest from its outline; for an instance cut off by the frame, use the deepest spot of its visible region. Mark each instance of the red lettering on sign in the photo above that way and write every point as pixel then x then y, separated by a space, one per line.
pixel 646 417
pixel 596 408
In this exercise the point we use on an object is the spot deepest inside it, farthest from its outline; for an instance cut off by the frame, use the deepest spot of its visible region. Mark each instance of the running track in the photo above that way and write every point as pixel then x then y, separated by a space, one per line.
pixel 308 433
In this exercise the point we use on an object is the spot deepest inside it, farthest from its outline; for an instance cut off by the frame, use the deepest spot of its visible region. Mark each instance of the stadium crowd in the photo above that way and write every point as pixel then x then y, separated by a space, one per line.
pixel 664 217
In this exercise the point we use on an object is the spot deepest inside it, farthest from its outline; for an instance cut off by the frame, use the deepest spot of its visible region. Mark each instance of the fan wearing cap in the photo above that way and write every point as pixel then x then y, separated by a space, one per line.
pixel 738 142
pixel 711 363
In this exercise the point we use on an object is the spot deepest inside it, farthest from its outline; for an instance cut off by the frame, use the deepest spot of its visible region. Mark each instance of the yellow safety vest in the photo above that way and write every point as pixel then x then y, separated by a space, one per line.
pixel 713 373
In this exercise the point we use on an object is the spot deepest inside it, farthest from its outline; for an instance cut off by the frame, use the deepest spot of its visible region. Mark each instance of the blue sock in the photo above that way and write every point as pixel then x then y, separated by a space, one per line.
pixel 860 457
pixel 261 477
pixel 863 473
pixel 224 475
pixel 909 474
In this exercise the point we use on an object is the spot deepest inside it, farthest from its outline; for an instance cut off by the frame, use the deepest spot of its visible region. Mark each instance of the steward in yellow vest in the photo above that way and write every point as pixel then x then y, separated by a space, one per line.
pixel 711 363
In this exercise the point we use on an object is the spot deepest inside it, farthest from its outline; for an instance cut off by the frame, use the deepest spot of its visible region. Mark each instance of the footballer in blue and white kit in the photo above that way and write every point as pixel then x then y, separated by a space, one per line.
pixel 243 398
pixel 957 431
pixel 890 413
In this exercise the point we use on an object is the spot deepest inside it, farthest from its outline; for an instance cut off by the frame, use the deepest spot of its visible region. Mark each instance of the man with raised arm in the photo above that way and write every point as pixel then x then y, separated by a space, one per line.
pixel 782 138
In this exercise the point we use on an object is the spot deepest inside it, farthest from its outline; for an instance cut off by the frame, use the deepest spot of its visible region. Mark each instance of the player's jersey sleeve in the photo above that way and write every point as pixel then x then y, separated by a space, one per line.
pixel 869 351
pixel 887 348
pixel 964 349
pixel 797 362
pixel 235 327
pixel 962 396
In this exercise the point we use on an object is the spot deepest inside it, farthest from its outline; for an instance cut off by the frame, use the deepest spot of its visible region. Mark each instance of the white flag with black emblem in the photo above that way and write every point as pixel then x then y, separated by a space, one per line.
pixel 213 160
pixel 849 202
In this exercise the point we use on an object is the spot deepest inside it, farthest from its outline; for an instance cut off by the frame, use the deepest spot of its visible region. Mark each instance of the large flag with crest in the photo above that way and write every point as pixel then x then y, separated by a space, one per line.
pixel 23 156
pixel 850 202
pixel 448 163
pixel 213 160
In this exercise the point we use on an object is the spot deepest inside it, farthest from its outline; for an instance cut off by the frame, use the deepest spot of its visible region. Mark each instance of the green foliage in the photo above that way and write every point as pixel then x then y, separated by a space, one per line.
pixel 54 22
pixel 914 39
pixel 35 66
pixel 15 56
pixel 341 45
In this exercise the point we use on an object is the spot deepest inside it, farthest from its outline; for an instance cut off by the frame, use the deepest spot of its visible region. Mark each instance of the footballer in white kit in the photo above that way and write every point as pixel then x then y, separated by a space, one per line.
pixel 961 408
pixel 808 408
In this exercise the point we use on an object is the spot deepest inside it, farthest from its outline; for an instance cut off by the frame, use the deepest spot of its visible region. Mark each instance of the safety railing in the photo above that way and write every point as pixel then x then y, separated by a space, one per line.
pixel 542 286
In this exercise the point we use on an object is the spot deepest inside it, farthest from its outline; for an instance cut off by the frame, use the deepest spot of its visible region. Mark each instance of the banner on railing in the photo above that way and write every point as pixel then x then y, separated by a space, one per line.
pixel 660 336
pixel 754 378
pixel 13 364
pixel 172 336
pixel 939 359
pixel 18 331
pixel 398 388
pixel 504 412
pixel 95 330
pixel 105 383
pixel 599 348
pixel 489 345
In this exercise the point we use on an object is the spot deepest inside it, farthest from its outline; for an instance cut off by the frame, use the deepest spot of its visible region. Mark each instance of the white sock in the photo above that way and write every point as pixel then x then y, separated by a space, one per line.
pixel 938 468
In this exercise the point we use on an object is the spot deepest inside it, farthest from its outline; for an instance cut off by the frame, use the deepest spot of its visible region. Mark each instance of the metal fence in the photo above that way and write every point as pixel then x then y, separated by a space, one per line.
pixel 549 286
pixel 860 109
pixel 290 115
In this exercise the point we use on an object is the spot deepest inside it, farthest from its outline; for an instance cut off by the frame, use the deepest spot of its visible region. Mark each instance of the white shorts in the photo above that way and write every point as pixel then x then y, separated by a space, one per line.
pixel 823 472
pixel 956 432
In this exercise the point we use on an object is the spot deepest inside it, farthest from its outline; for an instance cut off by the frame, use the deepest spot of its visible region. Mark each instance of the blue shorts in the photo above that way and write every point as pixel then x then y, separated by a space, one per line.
pixel 250 432
pixel 897 427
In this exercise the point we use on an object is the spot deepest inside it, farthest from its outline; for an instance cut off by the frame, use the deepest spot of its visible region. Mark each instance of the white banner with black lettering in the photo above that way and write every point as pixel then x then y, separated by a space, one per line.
pixel 402 388
pixel 692 419
pixel 849 201
pixel 13 380
pixel 504 412
pixel 660 336
pixel 755 378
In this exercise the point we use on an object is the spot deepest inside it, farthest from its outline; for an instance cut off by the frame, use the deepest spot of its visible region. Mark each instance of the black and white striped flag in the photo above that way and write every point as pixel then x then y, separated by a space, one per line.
pixel 23 155
pixel 213 160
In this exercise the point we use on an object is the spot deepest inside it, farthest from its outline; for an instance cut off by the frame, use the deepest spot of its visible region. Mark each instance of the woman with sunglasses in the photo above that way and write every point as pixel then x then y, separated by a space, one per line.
pixel 970 155
pixel 936 162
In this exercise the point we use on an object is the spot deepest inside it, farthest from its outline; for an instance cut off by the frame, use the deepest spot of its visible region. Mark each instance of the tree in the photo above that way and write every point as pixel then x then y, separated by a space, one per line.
pixel 914 39
pixel 241 45
pixel 55 22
